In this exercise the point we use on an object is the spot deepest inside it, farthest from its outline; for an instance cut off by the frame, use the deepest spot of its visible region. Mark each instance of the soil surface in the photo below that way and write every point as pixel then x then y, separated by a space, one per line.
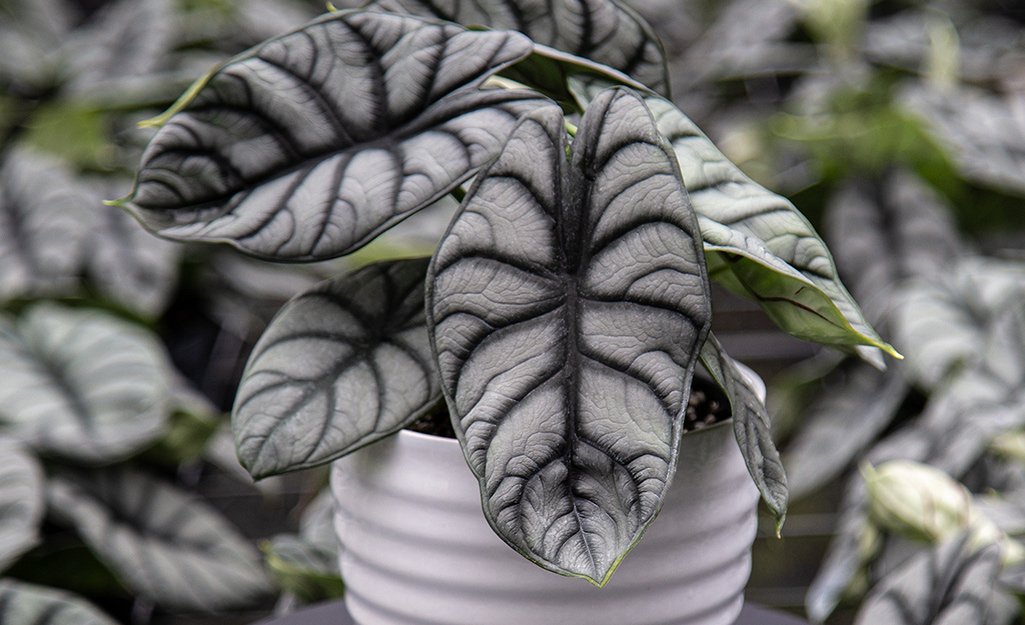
pixel 708 405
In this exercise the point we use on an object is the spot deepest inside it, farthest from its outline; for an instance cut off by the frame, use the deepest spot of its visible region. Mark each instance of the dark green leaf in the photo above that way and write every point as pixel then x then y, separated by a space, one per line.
pixel 341 366
pixel 752 428
pixel 82 384
pixel 567 305
pixel 163 544
pixel 21 502
pixel 27 604
pixel 309 145
pixel 605 31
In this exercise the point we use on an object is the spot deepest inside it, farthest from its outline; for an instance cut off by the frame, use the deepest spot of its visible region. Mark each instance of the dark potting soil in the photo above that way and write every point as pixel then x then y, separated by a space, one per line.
pixel 708 405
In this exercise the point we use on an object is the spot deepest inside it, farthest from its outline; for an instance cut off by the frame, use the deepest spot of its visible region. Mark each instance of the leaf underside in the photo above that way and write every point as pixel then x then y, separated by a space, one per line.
pixel 311 144
pixel 342 365
pixel 567 304
pixel 162 543
pixel 601 30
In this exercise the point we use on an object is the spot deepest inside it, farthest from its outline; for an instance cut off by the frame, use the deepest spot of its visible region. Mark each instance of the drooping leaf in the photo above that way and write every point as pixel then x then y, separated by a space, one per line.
pixel 948 585
pixel 21 502
pixel 28 604
pixel 752 428
pixel 758 243
pixel 842 423
pixel 605 31
pixel 309 145
pixel 303 568
pixel 567 304
pixel 164 544
pixel 81 384
pixel 341 366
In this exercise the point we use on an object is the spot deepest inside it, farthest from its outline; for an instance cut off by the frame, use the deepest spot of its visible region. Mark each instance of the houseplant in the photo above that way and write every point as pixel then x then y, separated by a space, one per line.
pixel 569 300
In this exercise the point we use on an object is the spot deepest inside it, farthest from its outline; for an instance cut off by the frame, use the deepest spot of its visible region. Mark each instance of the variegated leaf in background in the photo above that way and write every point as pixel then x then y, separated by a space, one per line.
pixel 581 287
pixel 605 31
pixel 752 428
pixel 309 145
pixel 342 365
pixel 947 585
pixel 81 384
pixel 164 544
pixel 28 604
pixel 21 502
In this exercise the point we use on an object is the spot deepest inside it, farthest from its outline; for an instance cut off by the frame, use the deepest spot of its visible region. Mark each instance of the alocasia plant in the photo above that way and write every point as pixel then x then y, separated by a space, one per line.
pixel 567 306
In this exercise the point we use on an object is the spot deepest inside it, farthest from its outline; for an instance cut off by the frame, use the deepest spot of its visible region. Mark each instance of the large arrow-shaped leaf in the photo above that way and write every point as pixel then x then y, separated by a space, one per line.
pixel 605 31
pixel 309 145
pixel 28 604
pixel 21 501
pixel 567 304
pixel 162 543
pixel 341 366
pixel 759 244
pixel 81 384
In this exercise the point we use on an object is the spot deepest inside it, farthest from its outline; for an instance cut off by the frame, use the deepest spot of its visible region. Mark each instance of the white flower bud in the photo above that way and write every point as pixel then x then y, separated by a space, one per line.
pixel 916 500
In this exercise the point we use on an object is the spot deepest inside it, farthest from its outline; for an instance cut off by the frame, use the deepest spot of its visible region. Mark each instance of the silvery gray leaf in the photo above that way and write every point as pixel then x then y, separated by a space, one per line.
pixel 81 384
pixel 983 134
pixel 882 236
pixel 309 145
pixel 342 365
pixel 124 40
pixel 163 544
pixel 758 243
pixel 30 33
pixel 844 556
pixel 28 604
pixel 948 585
pixel 605 31
pixel 21 502
pixel 752 428
pixel 43 221
pixel 852 410
pixel 567 305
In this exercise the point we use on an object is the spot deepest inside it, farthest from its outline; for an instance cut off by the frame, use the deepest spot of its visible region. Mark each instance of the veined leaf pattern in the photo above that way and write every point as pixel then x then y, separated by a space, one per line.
pixel 605 31
pixel 751 426
pixel 567 304
pixel 21 502
pixel 162 543
pixel 82 384
pixel 28 604
pixel 342 365
pixel 309 145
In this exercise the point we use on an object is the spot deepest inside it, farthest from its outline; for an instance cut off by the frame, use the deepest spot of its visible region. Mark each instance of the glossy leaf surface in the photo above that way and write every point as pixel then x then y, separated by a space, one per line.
pixel 162 543
pixel 342 365
pixel 567 304
pixel 605 31
pixel 82 384
pixel 21 502
pixel 309 145
pixel 28 604
pixel 752 428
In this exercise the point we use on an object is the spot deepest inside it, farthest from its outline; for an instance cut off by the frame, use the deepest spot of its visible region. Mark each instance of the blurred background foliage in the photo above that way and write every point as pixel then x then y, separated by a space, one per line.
pixel 896 126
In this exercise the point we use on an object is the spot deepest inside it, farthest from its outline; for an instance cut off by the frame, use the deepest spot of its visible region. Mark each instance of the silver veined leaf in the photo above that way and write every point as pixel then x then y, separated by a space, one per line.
pixel 81 384
pixel 163 544
pixel 567 304
pixel 845 418
pixel 28 604
pixel 21 502
pixel 764 242
pixel 759 244
pixel 605 31
pixel 342 365
pixel 947 585
pixel 309 145
pixel 752 428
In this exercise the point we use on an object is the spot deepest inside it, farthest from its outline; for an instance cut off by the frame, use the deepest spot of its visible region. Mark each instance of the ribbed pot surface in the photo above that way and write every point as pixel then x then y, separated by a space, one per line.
pixel 418 551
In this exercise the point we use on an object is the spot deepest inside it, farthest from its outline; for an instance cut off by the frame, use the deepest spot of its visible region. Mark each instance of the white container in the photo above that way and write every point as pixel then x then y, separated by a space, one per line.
pixel 416 549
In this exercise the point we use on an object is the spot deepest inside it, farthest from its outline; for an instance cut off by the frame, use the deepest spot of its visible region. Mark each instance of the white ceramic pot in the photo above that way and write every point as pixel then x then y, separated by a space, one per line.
pixel 416 549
